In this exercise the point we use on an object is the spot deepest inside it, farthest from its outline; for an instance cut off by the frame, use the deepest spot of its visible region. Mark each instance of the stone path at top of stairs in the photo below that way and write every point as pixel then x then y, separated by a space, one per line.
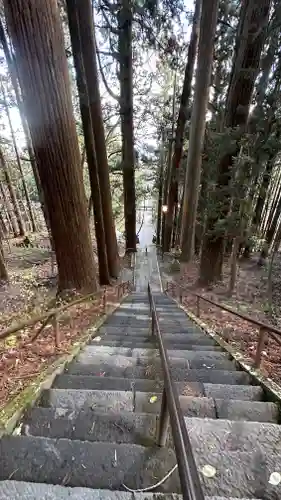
pixel 94 430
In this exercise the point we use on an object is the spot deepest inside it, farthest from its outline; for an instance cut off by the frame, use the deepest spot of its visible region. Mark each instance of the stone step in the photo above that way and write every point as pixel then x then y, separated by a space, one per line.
pixel 122 384
pixel 19 490
pixel 148 343
pixel 256 411
pixel 153 372
pixel 148 352
pixel 88 425
pixel 83 463
pixel 178 338
pixel 229 435
pixel 239 474
pixel 99 401
pixel 241 392
pixel 144 402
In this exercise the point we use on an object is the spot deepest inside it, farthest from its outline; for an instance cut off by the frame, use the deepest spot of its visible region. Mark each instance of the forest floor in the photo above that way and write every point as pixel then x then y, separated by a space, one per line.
pixel 32 290
pixel 249 297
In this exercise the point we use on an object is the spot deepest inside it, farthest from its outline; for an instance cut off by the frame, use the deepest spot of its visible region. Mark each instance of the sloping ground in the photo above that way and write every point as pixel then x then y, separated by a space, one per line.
pixel 249 297
pixel 92 436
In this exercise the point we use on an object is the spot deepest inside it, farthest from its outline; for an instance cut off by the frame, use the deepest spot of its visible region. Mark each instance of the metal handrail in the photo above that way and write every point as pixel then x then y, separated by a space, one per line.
pixel 188 473
pixel 264 328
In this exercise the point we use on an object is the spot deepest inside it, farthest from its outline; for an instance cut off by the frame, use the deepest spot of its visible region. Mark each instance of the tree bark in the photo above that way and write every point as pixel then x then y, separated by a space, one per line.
pixel 37 37
pixel 29 206
pixel 160 193
pixel 245 69
pixel 167 222
pixel 3 269
pixel 197 129
pixel 125 18
pixel 10 212
pixel 88 49
pixel 12 194
pixel 72 11
pixel 182 119
pixel 14 78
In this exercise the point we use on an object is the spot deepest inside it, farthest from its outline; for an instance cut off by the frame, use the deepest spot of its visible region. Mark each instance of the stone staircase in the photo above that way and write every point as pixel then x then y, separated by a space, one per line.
pixel 94 430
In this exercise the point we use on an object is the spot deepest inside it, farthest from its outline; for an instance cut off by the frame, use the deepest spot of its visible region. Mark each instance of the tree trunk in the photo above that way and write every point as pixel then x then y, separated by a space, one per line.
pixel 125 18
pixel 182 118
pixel 197 129
pixel 160 193
pixel 262 193
pixel 10 212
pixel 168 217
pixel 12 194
pixel 89 140
pixel 29 206
pixel 39 49
pixel 3 270
pixel 88 49
pixel 245 68
pixel 13 74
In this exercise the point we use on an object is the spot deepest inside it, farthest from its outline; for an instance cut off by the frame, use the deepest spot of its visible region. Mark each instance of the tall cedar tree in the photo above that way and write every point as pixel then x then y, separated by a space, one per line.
pixel 3 269
pixel 9 209
pixel 89 140
pixel 14 79
pixel 34 26
pixel 125 19
pixel 88 50
pixel 197 128
pixel 7 175
pixel 24 185
pixel 181 123
pixel 249 43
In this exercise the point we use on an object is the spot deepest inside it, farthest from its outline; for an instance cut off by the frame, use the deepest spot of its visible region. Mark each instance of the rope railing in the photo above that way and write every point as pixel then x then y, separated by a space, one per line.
pixel 171 411
pixel 53 314
pixel 264 328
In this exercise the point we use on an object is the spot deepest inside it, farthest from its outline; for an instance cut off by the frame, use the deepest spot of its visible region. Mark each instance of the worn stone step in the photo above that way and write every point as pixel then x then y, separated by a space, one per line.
pixel 106 383
pixel 114 401
pixel 241 392
pixel 151 344
pixel 205 355
pixel 191 406
pixel 82 463
pixel 106 360
pixel 239 474
pixel 122 384
pixel 100 401
pixel 230 435
pixel 103 352
pixel 215 364
pixel 154 372
pixel 255 411
pixel 88 425
pixel 19 490
pixel 178 338
pixel 118 330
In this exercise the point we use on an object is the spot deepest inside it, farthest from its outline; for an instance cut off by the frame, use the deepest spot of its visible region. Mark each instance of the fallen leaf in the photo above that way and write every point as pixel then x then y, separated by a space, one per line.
pixel 275 478
pixel 153 399
pixel 208 471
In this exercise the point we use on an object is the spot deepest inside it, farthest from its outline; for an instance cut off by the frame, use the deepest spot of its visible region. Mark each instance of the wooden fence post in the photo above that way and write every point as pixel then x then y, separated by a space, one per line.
pixel 198 306
pixel 260 346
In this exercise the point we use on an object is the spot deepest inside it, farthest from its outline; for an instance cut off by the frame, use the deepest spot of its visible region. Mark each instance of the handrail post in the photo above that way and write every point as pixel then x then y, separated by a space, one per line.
pixel 163 425
pixel 198 306
pixel 181 297
pixel 152 323
pixel 104 300
pixel 260 346
pixel 56 330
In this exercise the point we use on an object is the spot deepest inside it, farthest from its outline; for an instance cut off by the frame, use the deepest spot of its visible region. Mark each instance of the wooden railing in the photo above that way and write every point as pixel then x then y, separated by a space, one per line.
pixel 52 316
pixel 264 328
